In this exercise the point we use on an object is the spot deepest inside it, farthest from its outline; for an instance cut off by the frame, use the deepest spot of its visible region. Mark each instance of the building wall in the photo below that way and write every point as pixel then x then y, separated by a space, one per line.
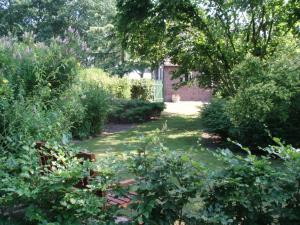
pixel 186 93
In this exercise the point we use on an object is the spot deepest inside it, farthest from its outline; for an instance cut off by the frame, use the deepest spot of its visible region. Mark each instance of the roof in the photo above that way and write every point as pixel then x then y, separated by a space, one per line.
pixel 168 62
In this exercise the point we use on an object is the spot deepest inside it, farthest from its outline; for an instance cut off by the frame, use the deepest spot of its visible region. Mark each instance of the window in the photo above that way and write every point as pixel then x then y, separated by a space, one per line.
pixel 187 77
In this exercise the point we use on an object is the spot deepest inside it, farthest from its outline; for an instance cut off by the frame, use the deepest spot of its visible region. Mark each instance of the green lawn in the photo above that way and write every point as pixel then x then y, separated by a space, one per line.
pixel 183 133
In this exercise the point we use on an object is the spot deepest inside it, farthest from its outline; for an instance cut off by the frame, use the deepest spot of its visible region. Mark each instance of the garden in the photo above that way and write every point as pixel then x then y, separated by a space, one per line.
pixel 63 88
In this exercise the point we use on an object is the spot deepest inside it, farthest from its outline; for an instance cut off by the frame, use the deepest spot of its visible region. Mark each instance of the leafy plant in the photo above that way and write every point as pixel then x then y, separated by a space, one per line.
pixel 142 89
pixel 133 111
pixel 166 182
pixel 95 101
pixel 214 117
pixel 48 196
pixel 250 190
pixel 268 98
pixel 31 120
pixel 30 66
pixel 117 87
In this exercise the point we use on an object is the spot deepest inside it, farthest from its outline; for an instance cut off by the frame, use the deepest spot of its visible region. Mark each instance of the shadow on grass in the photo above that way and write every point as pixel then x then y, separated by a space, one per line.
pixel 183 133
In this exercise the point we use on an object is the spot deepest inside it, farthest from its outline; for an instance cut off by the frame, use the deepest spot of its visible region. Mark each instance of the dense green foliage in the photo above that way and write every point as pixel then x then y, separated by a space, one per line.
pixel 117 87
pixel 41 98
pixel 135 111
pixel 48 197
pixel 48 19
pixel 214 117
pixel 168 180
pixel 26 66
pixel 267 101
pixel 122 88
pixel 96 103
pixel 248 189
pixel 98 42
pixel 142 89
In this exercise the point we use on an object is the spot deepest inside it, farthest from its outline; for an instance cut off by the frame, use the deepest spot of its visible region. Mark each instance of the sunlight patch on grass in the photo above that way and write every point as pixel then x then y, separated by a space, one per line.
pixel 182 134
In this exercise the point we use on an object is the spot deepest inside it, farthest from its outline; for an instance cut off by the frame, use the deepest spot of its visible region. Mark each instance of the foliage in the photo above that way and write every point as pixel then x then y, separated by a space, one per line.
pixel 209 36
pixel 214 117
pixel 75 112
pixel 49 197
pixel 117 87
pixel 250 190
pixel 270 98
pixel 92 21
pixel 142 89
pixel 33 121
pixel 134 111
pixel 95 101
pixel 28 66
pixel 167 181
pixel 267 101
pixel 52 18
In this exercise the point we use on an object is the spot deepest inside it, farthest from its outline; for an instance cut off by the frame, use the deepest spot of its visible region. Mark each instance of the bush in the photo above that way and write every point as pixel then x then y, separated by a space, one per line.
pixel 50 197
pixel 32 120
pixel 71 104
pixel 95 102
pixel 28 66
pixel 247 189
pixel 168 180
pixel 214 117
pixel 250 190
pixel 269 99
pixel 266 102
pixel 142 89
pixel 117 87
pixel 134 111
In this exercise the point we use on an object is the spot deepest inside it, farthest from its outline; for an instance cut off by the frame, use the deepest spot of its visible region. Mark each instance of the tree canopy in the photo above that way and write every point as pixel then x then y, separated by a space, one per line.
pixel 209 36
pixel 91 20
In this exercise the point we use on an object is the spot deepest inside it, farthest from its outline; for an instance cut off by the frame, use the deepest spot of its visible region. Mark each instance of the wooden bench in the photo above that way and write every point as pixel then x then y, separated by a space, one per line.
pixel 46 159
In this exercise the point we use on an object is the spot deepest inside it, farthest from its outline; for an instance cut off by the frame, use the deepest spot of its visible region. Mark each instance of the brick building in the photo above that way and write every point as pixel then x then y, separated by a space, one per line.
pixel 186 93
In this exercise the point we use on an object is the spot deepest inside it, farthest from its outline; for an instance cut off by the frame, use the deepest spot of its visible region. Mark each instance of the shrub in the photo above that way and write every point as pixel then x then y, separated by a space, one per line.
pixel 142 89
pixel 168 180
pixel 266 102
pixel 268 99
pixel 95 101
pixel 50 197
pixel 250 190
pixel 117 87
pixel 214 117
pixel 33 121
pixel 134 111
pixel 71 104
pixel 28 66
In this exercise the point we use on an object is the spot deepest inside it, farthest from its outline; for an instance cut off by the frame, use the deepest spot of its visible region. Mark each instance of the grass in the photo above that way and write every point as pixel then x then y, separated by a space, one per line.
pixel 183 133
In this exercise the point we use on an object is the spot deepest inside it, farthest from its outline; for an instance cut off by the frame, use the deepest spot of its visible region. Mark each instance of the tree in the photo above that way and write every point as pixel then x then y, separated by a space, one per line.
pixel 52 18
pixel 209 36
